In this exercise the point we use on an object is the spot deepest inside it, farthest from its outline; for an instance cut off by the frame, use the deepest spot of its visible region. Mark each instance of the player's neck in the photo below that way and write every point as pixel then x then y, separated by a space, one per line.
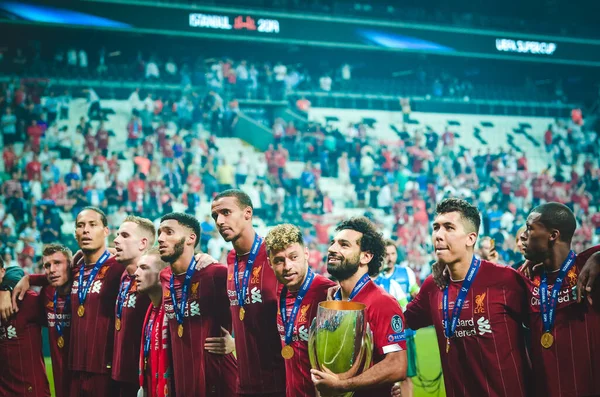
pixel 182 263
pixel 155 295
pixel 458 270
pixel 131 266
pixel 92 257
pixel 243 244
pixel 348 285
pixel 558 256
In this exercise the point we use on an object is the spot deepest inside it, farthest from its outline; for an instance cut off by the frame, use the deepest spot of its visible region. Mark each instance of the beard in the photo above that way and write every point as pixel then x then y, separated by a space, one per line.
pixel 177 252
pixel 346 269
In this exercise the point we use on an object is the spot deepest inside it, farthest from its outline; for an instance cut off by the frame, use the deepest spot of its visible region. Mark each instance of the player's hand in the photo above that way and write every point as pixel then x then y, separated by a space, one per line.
pixel 220 345
pixel 397 390
pixel 331 291
pixel 440 275
pixel 528 269
pixel 19 292
pixel 6 308
pixel 327 384
pixel 204 260
pixel 587 277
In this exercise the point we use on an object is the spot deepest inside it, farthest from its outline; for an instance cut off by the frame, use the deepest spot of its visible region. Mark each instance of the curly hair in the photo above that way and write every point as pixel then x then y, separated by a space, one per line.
pixel 371 240
pixel 468 212
pixel 282 236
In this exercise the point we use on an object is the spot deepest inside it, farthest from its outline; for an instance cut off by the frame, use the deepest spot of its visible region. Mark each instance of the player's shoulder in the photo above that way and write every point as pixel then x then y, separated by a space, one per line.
pixel 429 285
pixel 214 270
pixel 583 256
pixel 165 274
pixel 496 274
pixel 377 296
pixel 321 284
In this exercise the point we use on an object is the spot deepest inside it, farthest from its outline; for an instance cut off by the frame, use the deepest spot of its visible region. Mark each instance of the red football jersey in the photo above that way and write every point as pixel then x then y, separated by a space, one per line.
pixel 22 370
pixel 199 373
pixel 297 369
pixel 571 366
pixel 92 339
pixel 487 354
pixel 387 324
pixel 59 355
pixel 257 342
pixel 126 350
pixel 156 372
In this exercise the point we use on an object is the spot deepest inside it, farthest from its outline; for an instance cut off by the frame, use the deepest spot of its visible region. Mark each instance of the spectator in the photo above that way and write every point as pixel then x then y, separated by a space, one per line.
pixel 325 83
pixel 83 59
pixel 9 127
pixel 152 71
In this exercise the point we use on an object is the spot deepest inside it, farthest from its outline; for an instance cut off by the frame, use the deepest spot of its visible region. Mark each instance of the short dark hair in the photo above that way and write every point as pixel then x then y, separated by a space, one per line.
pixel 390 243
pixel 371 240
pixel 557 216
pixel 468 212
pixel 186 220
pixel 243 199
pixel 97 210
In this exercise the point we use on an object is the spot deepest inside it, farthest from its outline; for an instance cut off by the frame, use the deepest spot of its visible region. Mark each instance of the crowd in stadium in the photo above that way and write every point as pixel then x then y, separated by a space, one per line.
pixel 175 163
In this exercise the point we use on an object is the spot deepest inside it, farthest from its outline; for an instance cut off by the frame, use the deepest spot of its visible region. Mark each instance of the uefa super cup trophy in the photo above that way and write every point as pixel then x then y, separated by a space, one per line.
pixel 340 340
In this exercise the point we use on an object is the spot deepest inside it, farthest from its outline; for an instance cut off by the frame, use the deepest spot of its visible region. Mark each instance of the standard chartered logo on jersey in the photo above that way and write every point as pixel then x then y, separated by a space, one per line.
pixel 254 296
pixel 476 325
pixel 192 310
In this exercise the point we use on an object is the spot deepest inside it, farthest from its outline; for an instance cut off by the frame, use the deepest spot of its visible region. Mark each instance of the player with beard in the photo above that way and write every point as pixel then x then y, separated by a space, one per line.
pixel 478 317
pixel 94 291
pixel 56 300
pixel 355 253
pixel 155 367
pixel 565 334
pixel 253 295
pixel 300 296
pixel 196 307
pixel 22 371
pixel 134 237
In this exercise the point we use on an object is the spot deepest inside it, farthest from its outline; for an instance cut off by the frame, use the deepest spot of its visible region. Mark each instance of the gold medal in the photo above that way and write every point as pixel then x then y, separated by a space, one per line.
pixel 447 345
pixel 180 330
pixel 60 342
pixel 242 313
pixel 118 324
pixel 287 352
pixel 547 340
pixel 80 310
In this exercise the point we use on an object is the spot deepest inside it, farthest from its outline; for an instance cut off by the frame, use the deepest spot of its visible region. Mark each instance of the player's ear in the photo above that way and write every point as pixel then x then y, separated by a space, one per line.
pixel 554 235
pixel 248 213
pixel 471 239
pixel 365 257
pixel 106 231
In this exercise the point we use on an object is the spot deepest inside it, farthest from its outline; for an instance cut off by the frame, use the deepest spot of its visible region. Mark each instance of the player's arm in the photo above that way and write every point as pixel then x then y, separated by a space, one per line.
pixel 37 280
pixel 11 277
pixel 388 371
pixel 418 313
pixel 589 275
pixel 224 344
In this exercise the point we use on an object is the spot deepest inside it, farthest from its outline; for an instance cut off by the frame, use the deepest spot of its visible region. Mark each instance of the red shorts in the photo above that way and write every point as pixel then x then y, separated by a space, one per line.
pixel 85 384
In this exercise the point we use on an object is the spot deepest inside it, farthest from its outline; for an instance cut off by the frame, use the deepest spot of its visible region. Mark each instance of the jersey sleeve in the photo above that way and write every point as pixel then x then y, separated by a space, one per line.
pixel 388 328
pixel 38 280
pixel 12 276
pixel 418 313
